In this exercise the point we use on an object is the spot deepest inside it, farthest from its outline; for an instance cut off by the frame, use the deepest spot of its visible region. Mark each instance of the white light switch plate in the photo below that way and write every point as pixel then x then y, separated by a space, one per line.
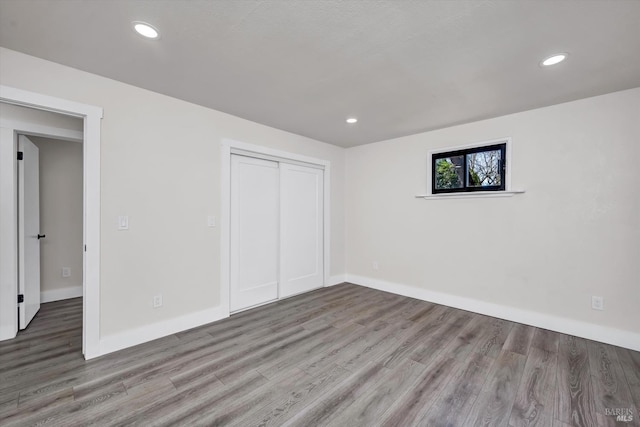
pixel 157 301
pixel 123 222
pixel 66 272
pixel 211 221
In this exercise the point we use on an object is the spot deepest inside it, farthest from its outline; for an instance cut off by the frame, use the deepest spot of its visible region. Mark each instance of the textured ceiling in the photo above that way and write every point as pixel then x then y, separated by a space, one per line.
pixel 401 66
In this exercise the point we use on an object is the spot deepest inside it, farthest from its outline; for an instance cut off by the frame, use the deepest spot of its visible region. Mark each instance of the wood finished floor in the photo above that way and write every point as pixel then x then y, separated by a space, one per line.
pixel 340 356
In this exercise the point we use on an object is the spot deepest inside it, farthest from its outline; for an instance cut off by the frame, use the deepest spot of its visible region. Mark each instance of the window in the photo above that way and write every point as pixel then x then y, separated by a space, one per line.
pixel 473 169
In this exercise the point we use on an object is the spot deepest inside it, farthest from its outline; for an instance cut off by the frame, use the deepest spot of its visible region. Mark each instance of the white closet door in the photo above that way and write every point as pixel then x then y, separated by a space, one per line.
pixel 255 219
pixel 301 250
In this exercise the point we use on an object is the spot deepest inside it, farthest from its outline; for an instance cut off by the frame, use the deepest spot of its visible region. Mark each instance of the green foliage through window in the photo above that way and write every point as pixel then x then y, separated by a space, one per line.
pixel 446 174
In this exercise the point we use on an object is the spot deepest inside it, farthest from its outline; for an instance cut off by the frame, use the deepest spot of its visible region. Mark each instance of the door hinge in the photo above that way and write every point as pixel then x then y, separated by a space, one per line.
pixel 20 155
pixel 85 248
pixel 20 298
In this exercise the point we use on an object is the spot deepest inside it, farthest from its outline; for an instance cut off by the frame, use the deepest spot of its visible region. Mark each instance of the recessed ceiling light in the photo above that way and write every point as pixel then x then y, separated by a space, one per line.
pixel 554 59
pixel 146 30
pixel 352 120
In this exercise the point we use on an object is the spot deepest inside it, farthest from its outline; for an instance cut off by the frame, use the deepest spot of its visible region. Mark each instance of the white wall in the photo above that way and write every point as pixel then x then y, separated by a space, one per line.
pixel 574 233
pixel 60 217
pixel 160 165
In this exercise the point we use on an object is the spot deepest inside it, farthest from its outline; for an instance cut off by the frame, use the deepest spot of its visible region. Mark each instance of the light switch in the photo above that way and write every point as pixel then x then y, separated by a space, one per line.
pixel 123 222
pixel 211 221
pixel 66 272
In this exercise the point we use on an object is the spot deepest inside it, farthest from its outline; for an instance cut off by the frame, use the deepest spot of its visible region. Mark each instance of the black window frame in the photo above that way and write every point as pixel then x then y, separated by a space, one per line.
pixel 502 147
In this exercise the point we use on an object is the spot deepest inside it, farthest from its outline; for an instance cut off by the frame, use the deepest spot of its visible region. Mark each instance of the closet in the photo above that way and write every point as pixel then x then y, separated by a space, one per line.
pixel 276 233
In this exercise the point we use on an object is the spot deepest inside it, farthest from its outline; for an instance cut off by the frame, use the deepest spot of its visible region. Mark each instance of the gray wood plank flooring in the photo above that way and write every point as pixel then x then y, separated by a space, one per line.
pixel 340 356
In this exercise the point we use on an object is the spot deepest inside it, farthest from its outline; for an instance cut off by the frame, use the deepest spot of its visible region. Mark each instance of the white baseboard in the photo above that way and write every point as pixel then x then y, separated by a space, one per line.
pixel 592 331
pixel 60 294
pixel 147 333
pixel 336 280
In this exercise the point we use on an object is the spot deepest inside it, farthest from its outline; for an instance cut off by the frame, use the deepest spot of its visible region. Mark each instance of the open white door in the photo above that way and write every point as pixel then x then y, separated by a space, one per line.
pixel 301 263
pixel 254 226
pixel 28 230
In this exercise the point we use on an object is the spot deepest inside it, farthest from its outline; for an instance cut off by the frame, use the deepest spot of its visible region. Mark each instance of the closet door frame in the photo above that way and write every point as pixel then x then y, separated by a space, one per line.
pixel 229 147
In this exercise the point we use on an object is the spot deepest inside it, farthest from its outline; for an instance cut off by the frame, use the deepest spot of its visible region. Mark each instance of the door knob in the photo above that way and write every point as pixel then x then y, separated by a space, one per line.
pixel 41 236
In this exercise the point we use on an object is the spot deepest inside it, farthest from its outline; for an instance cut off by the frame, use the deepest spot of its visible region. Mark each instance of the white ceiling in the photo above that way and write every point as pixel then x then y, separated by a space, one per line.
pixel 401 66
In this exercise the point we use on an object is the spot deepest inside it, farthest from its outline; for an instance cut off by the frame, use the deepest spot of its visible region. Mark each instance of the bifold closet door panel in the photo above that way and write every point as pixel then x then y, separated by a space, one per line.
pixel 301 224
pixel 255 223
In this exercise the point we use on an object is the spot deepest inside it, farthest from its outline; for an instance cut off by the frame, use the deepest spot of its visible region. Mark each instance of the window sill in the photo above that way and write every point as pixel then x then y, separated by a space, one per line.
pixel 471 195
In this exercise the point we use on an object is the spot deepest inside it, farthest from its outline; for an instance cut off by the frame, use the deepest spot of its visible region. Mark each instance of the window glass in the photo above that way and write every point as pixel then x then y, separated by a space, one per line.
pixel 484 169
pixel 473 169
pixel 450 172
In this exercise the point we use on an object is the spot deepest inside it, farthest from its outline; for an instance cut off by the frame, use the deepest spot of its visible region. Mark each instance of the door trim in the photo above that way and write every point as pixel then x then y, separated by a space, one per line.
pixel 91 116
pixel 229 146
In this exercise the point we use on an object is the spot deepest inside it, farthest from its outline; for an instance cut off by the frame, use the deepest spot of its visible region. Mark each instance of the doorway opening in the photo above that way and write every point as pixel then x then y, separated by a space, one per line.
pixel 89 134
pixel 50 241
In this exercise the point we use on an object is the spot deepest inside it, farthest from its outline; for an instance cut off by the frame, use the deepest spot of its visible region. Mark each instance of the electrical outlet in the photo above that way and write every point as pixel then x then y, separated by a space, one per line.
pixel 66 272
pixel 597 303
pixel 157 301
pixel 375 265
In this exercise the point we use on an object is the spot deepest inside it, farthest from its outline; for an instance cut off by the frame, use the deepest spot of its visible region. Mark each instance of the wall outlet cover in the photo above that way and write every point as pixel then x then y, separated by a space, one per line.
pixel 597 303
